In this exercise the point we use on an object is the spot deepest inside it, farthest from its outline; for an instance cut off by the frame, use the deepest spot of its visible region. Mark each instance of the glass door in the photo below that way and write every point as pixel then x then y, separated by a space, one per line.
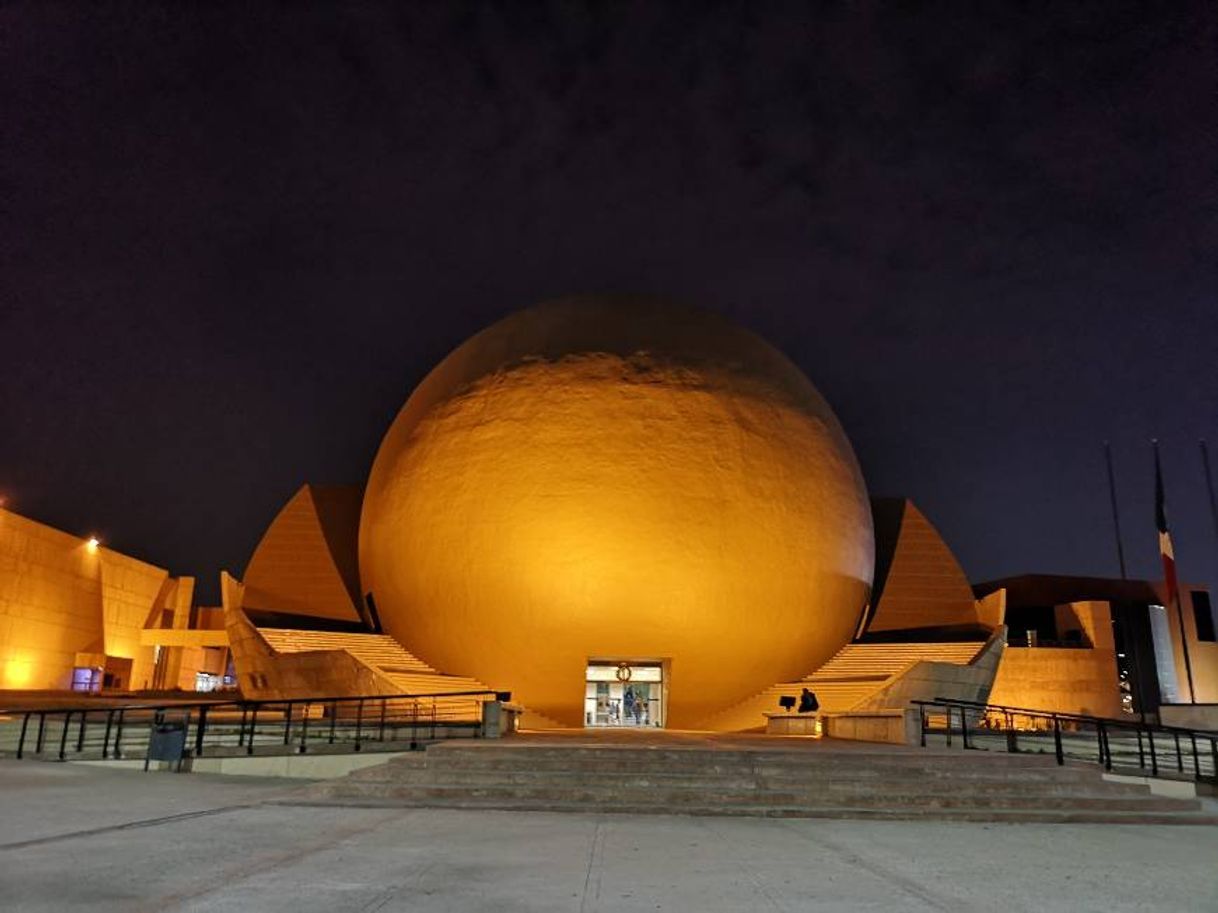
pixel 627 695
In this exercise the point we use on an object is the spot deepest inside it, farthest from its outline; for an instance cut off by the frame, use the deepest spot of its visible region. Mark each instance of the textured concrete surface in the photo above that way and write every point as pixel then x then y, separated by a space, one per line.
pixel 65 602
pixel 80 838
pixel 617 479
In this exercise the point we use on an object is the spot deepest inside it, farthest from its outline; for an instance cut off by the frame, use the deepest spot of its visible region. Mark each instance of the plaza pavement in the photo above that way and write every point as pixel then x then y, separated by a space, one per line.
pixel 76 837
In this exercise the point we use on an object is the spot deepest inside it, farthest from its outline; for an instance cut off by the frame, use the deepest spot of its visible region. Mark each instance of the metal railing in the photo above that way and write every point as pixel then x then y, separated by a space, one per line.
pixel 225 729
pixel 1123 746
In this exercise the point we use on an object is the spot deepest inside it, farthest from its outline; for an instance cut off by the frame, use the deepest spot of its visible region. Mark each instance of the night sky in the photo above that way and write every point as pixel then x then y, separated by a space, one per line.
pixel 232 239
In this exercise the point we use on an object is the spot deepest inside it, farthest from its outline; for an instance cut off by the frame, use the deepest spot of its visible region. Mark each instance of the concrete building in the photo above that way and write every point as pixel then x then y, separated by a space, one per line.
pixel 626 514
pixel 76 615
pixel 1103 647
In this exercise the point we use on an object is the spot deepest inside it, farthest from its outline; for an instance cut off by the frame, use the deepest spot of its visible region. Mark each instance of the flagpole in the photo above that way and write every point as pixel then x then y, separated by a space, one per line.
pixel 1122 618
pixel 1174 584
pixel 1209 485
pixel 1116 515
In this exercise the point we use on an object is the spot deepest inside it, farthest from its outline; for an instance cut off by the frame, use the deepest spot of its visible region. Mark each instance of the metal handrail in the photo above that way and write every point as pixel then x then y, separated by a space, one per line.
pixel 13 711
pixel 233 726
pixel 1025 711
pixel 1098 746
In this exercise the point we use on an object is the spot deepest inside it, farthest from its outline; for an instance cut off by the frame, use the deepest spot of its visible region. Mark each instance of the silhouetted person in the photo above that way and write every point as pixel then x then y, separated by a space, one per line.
pixel 808 702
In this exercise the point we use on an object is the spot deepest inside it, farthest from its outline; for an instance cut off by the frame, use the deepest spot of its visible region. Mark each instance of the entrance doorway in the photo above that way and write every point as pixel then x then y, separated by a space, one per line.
pixel 624 695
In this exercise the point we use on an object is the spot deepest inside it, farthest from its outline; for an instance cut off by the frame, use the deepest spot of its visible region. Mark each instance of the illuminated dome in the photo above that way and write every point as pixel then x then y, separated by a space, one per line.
pixel 619 480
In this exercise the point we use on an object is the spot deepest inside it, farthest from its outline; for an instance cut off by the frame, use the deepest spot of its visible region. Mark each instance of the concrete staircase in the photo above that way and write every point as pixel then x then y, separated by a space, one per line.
pixel 871 660
pixel 408 673
pixel 851 676
pixel 869 782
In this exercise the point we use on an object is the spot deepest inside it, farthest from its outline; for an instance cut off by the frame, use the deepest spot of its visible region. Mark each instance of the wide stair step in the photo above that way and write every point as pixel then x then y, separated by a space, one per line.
pixel 861 783
pixel 884 660
pixel 408 673
pixel 851 676
pixel 378 650
pixel 671 798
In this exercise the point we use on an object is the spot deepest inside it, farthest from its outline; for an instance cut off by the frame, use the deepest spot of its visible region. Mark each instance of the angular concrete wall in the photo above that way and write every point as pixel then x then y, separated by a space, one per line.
pixel 1203 655
pixel 65 602
pixel 1065 679
pixel 264 674
pixel 926 681
pixel 918 582
pixel 306 563
pixel 131 595
pixel 50 603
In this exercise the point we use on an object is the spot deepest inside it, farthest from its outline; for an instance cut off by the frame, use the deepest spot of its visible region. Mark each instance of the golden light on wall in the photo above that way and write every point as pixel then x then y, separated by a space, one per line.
pixel 617 479
pixel 18 672
pixel 92 543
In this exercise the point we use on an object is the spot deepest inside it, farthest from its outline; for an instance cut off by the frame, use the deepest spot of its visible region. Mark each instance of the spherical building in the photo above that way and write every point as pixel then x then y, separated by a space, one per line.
pixel 617 485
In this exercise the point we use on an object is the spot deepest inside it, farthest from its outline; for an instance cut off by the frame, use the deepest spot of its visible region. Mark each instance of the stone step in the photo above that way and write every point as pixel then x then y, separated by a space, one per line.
pixel 992 815
pixel 608 796
pixel 474 759
pixel 478 758
pixel 864 779
pixel 929 786
pixel 811 775
pixel 821 780
pixel 860 752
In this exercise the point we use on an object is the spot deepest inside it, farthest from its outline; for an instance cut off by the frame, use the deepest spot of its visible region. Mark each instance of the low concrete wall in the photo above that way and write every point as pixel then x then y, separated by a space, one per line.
pixel 295 766
pixel 1189 716
pixel 1175 789
pixel 894 727
pixel 1061 679
pixel 500 719
pixel 269 676
pixel 927 680
pixel 807 724
pixel 302 766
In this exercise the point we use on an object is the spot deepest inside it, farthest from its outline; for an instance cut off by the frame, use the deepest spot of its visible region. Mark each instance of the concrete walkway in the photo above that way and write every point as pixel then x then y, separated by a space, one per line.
pixel 76 837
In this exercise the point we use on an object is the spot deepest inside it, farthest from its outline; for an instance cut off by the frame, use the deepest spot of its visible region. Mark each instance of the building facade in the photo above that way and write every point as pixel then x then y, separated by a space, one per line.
pixel 76 615
pixel 625 513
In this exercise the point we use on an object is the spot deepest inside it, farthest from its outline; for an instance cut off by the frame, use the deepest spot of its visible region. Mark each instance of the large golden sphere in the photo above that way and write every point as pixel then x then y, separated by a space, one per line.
pixel 617 479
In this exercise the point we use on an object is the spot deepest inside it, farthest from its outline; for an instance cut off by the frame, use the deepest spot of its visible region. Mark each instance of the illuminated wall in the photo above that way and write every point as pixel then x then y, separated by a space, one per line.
pixel 265 675
pixel 617 480
pixel 1085 678
pixel 918 582
pixel 1065 679
pixel 306 561
pixel 65 602
pixel 50 603
pixel 132 593
pixel 1203 655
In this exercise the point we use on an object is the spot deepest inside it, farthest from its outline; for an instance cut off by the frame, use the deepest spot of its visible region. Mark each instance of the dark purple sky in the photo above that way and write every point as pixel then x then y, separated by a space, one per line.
pixel 233 239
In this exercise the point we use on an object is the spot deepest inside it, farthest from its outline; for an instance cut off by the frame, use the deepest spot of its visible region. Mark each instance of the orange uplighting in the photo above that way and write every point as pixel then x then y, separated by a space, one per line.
pixel 17 672
pixel 646 484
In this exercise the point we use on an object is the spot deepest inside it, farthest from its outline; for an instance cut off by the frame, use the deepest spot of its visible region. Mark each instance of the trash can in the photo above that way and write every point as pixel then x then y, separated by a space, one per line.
pixel 167 741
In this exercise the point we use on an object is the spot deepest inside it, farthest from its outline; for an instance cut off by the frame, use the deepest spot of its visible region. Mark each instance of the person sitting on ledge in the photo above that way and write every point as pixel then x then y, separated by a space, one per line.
pixel 808 702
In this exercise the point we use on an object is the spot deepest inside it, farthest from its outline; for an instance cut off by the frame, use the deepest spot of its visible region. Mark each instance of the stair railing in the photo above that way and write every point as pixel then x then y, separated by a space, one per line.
pixel 213 728
pixel 1128 746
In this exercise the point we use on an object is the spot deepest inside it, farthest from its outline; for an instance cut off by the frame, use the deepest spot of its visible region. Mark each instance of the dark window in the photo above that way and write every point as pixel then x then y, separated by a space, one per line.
pixel 1028 625
pixel 1203 614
